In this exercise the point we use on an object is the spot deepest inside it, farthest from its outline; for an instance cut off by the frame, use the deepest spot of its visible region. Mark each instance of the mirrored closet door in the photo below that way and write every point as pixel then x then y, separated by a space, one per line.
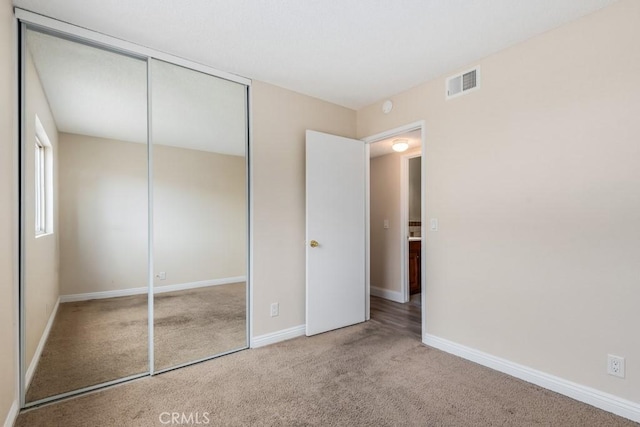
pixel 199 133
pixel 134 214
pixel 84 210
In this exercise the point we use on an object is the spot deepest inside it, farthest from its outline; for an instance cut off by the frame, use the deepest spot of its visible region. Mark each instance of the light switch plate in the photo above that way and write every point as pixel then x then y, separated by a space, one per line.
pixel 433 224
pixel 275 309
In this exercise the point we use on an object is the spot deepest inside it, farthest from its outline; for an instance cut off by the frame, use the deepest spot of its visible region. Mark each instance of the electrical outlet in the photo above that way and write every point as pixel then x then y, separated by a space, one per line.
pixel 615 365
pixel 275 309
pixel 162 275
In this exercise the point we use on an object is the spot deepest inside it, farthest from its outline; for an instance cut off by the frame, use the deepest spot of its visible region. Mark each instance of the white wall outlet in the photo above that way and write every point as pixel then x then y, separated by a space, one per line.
pixel 433 224
pixel 162 275
pixel 275 309
pixel 386 223
pixel 615 365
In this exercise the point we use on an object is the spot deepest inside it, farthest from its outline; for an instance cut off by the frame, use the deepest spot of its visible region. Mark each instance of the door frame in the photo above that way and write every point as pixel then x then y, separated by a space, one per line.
pixel 421 126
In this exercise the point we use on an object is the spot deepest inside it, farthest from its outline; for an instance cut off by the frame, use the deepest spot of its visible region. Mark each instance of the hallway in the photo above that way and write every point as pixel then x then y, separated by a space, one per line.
pixel 404 317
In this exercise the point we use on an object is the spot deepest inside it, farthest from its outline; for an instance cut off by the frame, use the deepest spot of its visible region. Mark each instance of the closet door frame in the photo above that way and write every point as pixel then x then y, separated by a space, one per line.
pixel 29 20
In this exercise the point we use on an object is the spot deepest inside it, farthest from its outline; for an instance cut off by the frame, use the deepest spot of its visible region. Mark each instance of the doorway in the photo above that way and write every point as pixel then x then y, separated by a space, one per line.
pixel 395 221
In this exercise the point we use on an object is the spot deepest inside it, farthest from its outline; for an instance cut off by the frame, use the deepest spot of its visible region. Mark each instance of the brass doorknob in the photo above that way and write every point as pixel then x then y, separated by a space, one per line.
pixel 314 244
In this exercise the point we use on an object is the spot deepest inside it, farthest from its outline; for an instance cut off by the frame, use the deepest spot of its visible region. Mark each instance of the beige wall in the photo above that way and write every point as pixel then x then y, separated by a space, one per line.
pixel 385 205
pixel 8 195
pixel 103 214
pixel 199 216
pixel 41 253
pixel 280 118
pixel 534 179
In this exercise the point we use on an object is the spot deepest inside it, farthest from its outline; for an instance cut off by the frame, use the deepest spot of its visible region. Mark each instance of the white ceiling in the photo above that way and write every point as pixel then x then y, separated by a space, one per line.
pixel 197 111
pixel 100 93
pixel 350 52
pixel 91 91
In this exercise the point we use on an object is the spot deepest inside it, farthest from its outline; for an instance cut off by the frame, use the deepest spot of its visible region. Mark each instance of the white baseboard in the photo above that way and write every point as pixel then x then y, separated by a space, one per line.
pixel 608 402
pixel 12 415
pixel 156 289
pixel 274 337
pixel 43 340
pixel 387 294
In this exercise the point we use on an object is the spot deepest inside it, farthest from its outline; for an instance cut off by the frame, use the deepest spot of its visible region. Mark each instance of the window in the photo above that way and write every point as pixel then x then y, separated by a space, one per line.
pixel 43 196
pixel 40 201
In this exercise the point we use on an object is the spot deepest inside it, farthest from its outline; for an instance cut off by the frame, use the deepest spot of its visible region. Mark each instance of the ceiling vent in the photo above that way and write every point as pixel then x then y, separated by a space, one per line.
pixel 463 83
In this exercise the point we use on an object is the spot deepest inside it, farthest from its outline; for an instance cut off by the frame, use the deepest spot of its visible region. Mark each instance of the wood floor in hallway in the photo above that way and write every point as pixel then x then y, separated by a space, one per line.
pixel 405 317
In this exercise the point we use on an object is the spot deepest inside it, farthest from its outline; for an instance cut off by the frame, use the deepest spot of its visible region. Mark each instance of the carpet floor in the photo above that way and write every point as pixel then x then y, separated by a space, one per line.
pixel 192 325
pixel 96 341
pixel 364 375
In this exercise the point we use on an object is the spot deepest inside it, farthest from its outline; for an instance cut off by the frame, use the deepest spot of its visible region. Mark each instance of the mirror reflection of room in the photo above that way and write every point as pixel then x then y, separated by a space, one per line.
pixel 199 215
pixel 89 259
pixel 85 216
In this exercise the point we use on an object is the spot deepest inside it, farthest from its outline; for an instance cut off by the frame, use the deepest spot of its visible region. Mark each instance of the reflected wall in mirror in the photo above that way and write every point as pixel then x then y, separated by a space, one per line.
pixel 199 134
pixel 84 216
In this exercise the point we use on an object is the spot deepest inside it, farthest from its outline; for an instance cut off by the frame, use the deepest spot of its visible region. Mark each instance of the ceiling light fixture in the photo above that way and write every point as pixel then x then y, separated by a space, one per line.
pixel 400 145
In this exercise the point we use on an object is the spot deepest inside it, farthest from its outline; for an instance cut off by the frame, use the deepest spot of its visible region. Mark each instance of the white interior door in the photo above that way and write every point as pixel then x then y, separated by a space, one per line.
pixel 335 184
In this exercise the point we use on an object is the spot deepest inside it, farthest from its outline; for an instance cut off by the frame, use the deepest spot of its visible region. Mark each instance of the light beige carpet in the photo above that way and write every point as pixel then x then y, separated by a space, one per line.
pixel 192 325
pixel 364 375
pixel 96 341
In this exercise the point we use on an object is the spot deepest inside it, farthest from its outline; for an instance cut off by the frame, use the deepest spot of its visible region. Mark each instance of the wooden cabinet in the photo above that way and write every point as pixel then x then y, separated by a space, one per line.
pixel 414 266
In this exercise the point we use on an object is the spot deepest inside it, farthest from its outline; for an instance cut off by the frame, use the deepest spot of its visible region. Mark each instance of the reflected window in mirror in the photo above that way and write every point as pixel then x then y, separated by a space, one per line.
pixel 43 181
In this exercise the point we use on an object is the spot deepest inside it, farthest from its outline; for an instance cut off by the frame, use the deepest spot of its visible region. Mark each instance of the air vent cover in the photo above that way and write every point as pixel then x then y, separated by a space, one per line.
pixel 463 83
